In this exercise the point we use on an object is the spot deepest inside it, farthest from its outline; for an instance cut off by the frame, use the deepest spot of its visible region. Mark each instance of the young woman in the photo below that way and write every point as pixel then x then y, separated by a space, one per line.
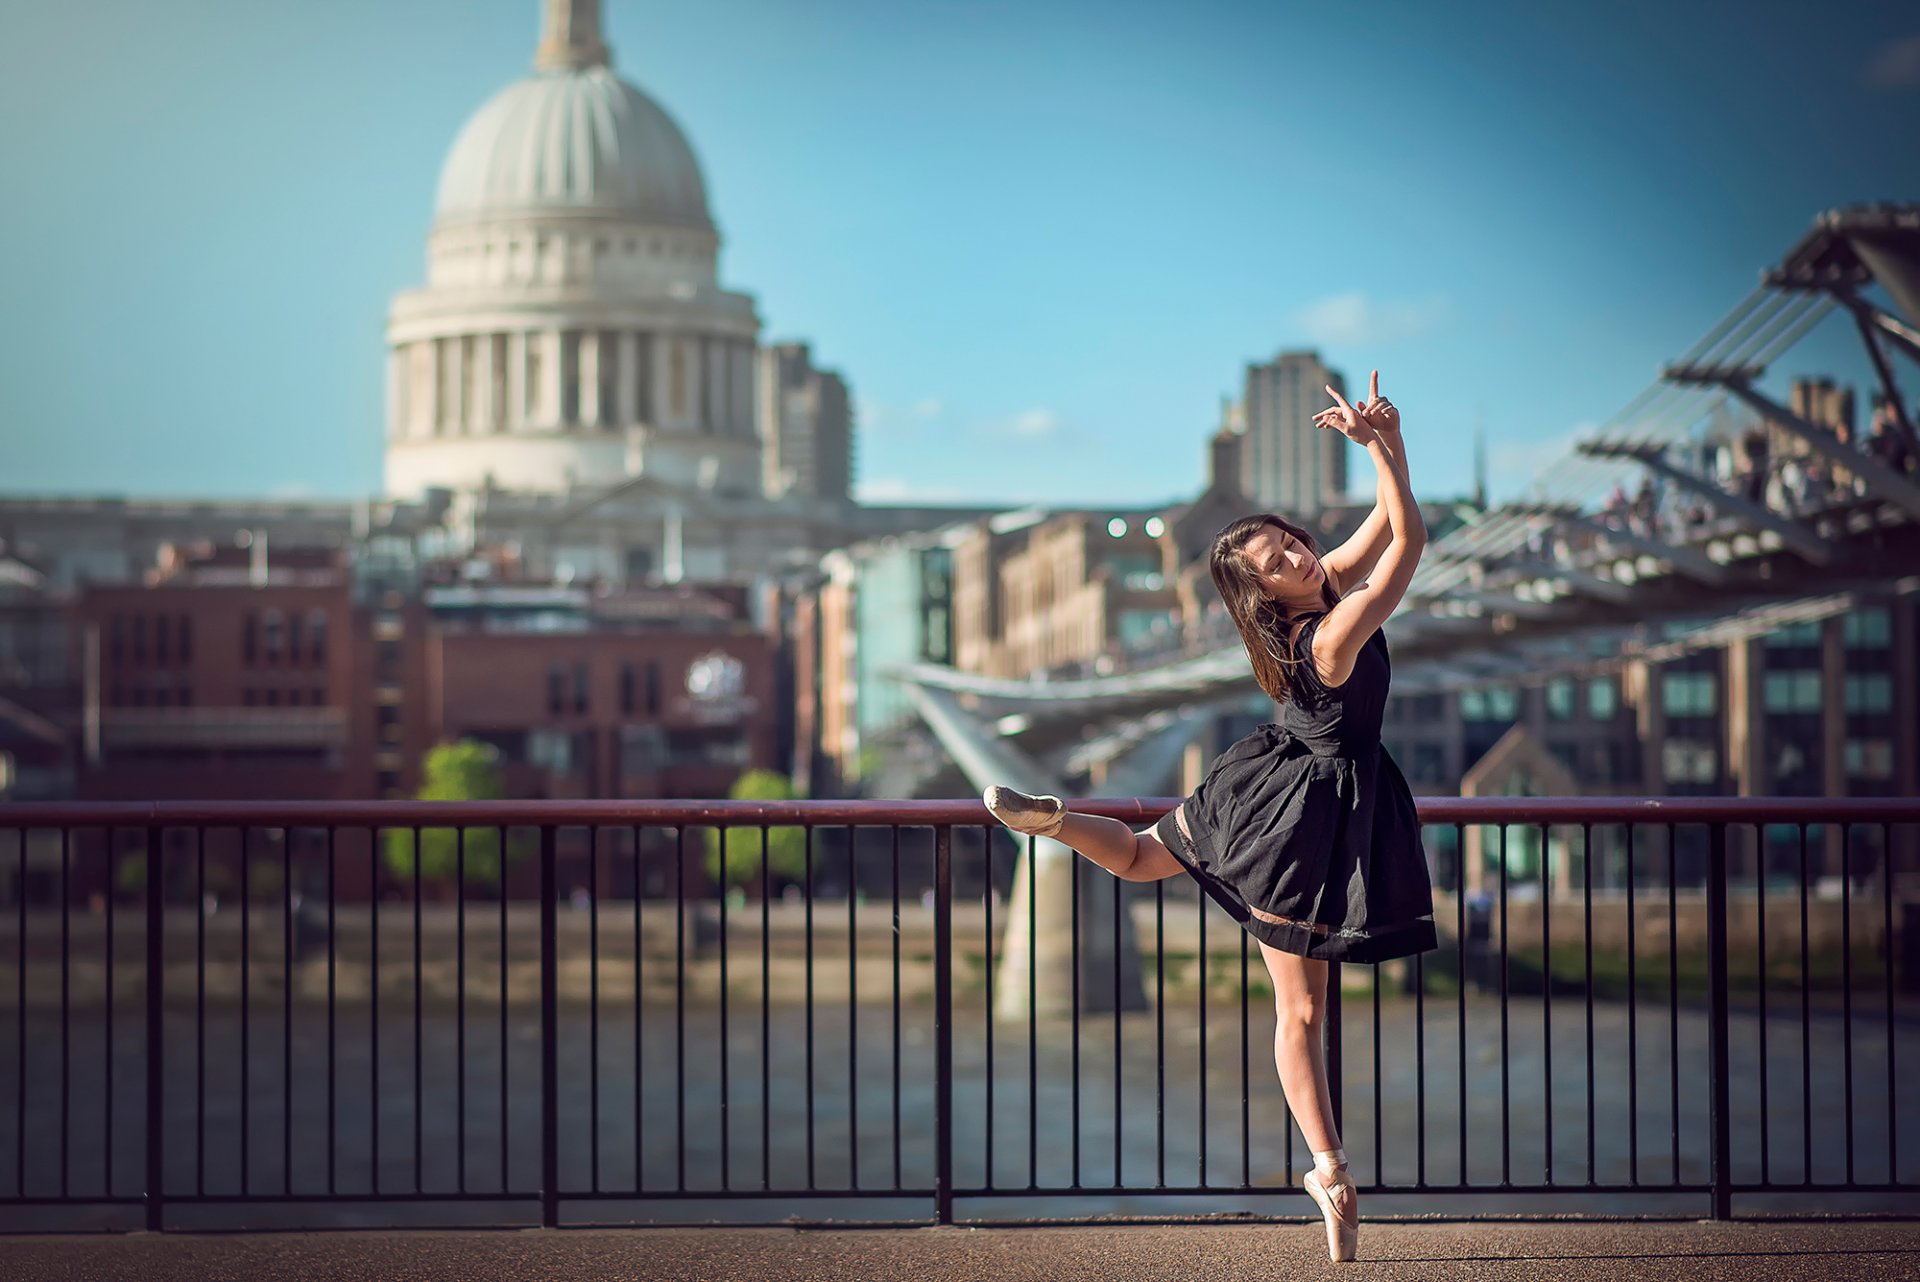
pixel 1304 830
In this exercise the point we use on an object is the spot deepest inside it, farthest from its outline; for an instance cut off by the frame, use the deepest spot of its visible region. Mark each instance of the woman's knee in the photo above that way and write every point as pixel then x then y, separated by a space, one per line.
pixel 1299 1014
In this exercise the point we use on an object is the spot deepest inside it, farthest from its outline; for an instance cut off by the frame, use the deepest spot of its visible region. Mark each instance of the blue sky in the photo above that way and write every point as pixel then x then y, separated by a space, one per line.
pixel 1041 238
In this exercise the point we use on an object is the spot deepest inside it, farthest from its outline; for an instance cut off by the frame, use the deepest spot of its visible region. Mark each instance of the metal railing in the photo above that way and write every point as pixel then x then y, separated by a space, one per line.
pixel 305 1004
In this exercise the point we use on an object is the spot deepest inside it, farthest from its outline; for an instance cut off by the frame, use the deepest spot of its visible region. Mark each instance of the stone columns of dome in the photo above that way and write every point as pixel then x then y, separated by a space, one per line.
pixel 396 393
pixel 482 414
pixel 743 390
pixel 659 406
pixel 589 375
pixel 420 388
pixel 628 381
pixel 718 400
pixel 516 407
pixel 454 352
pixel 546 412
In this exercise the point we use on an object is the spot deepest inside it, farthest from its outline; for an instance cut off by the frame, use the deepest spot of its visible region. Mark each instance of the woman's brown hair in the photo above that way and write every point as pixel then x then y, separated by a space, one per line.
pixel 1265 625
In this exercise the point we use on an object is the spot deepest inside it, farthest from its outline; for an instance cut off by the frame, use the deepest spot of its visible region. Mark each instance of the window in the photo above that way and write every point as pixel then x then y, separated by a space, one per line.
pixel 317 635
pixel 1794 635
pixel 653 688
pixel 557 689
pixel 580 686
pixel 1795 690
pixel 293 638
pixel 272 633
pixel 1868 628
pixel 1603 698
pixel 116 638
pixel 627 684
pixel 1687 694
pixel 1870 692
pixel 1492 703
pixel 1682 761
pixel 1870 758
pixel 160 639
pixel 185 634
pixel 139 638
pixel 1560 693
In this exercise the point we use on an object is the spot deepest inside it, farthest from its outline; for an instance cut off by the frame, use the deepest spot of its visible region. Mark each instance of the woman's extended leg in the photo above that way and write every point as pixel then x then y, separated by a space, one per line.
pixel 1135 856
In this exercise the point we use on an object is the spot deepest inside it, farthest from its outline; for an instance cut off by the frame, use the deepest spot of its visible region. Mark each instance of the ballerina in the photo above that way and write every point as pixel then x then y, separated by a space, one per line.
pixel 1305 830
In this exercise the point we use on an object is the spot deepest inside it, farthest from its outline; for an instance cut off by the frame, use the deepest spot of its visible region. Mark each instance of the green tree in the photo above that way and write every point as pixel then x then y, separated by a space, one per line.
pixel 461 771
pixel 786 846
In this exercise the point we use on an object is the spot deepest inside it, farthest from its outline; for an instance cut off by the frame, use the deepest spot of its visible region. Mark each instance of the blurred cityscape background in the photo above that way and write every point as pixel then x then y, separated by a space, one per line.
pixel 630 540
pixel 620 545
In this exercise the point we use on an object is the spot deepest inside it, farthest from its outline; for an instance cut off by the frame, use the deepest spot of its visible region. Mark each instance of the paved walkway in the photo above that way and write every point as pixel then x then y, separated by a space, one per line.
pixel 1779 1251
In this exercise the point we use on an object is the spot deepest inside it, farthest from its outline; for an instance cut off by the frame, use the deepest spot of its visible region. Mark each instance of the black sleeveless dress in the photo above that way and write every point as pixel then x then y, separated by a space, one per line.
pixel 1305 830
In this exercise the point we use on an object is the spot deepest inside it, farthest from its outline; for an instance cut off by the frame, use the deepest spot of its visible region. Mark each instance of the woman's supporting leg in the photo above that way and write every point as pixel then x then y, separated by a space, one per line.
pixel 1299 1050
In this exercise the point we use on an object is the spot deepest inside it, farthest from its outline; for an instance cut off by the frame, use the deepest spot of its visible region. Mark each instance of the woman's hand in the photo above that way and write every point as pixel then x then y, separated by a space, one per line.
pixel 1379 410
pixel 1348 421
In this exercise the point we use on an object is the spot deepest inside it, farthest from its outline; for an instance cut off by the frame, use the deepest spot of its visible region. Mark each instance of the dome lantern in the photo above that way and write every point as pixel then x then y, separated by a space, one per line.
pixel 571 40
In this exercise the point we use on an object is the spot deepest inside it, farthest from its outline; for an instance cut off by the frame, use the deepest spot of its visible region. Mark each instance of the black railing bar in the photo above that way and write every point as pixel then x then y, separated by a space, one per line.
pixel 680 1005
pixel 1546 996
pixel 200 1012
pixel 1506 1057
pixel 1033 1022
pixel 1720 1076
pixel 986 932
pixel 1073 1078
pixel 895 948
pixel 1460 946
pixel 807 976
pixel 286 1010
pixel 1200 912
pixel 460 999
pixel 1673 994
pixel 1160 1037
pixel 106 1133
pixel 1886 944
pixel 1633 1022
pixel 1806 1022
pixel 549 1028
pixel 333 1129
pixel 245 835
pixel 506 1114
pixel 593 1004
pixel 1246 1082
pixel 1760 947
pixel 719 837
pixel 1846 984
pixel 373 1006
pixel 154 849
pixel 419 1042
pixel 66 1004
pixel 943 1023
pixel 766 1013
pixel 639 1022
pixel 1586 941
pixel 853 1007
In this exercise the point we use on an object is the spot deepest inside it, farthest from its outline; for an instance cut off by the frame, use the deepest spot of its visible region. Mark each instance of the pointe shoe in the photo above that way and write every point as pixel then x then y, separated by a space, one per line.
pixel 1343 1234
pixel 1039 816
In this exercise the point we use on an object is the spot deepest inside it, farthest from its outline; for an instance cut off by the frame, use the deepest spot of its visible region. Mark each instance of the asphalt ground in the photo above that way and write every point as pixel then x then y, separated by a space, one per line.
pixel 1698 1251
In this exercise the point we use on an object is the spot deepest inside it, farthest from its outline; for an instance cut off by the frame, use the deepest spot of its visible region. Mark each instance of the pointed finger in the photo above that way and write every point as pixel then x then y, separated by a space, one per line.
pixel 1373 387
pixel 1343 400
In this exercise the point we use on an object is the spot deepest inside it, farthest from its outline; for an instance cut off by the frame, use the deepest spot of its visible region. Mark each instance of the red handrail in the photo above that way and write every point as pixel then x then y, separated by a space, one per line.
pixel 481 814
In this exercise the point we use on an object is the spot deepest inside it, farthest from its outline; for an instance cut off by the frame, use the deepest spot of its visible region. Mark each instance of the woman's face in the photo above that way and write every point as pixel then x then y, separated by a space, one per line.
pixel 1286 569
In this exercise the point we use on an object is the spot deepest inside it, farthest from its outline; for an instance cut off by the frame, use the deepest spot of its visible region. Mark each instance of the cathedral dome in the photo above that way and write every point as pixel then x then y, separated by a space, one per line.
pixel 573 138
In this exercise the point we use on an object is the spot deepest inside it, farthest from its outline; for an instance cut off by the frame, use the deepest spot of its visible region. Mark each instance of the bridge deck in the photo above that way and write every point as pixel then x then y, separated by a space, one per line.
pixel 1781 1250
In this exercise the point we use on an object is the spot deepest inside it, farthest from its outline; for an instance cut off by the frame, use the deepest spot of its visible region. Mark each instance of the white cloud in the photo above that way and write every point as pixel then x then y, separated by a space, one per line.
pixel 1513 465
pixel 1035 422
pixel 874 414
pixel 898 489
pixel 1895 65
pixel 1350 319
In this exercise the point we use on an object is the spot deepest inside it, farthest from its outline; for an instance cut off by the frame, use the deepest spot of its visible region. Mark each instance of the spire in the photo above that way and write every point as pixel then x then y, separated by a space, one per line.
pixel 571 39
pixel 1479 461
